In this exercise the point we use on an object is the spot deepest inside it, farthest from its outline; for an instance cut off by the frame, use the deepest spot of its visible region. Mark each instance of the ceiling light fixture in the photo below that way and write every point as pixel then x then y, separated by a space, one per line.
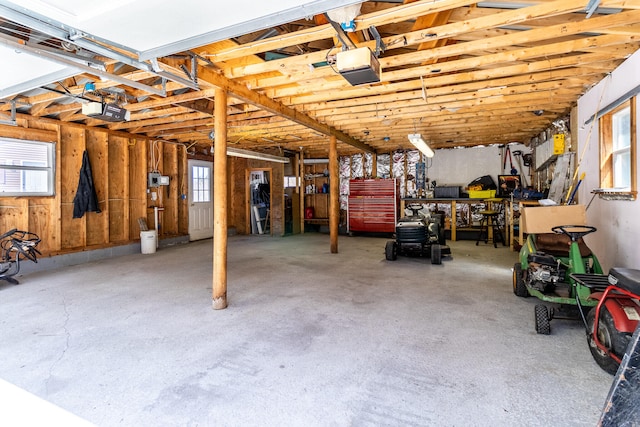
pixel 237 152
pixel 420 144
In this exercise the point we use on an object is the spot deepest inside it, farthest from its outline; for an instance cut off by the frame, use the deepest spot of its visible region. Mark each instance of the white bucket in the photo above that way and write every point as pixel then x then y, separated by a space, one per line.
pixel 148 241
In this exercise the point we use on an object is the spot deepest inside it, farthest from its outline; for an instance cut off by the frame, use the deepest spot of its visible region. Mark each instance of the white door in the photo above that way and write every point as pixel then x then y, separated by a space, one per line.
pixel 200 199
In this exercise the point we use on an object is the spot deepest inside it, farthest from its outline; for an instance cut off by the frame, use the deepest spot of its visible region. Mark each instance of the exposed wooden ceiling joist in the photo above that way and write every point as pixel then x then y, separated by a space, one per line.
pixel 461 72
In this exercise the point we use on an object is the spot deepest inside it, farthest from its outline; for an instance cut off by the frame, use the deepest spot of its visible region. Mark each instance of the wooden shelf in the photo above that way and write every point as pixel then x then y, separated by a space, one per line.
pixel 320 221
pixel 314 176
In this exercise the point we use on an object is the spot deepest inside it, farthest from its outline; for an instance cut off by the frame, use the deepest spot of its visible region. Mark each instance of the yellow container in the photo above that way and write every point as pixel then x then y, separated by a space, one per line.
pixel 558 143
pixel 482 194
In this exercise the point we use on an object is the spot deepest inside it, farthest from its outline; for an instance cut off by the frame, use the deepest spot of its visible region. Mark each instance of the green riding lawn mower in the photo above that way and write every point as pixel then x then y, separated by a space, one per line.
pixel 560 270
pixel 546 262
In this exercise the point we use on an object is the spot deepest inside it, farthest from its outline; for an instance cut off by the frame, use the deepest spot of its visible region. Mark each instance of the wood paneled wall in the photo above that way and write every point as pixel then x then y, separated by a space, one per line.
pixel 120 164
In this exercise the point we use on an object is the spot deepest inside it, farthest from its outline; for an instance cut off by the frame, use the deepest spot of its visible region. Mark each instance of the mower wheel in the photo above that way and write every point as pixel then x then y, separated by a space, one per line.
pixel 436 254
pixel 614 341
pixel 543 326
pixel 519 287
pixel 391 250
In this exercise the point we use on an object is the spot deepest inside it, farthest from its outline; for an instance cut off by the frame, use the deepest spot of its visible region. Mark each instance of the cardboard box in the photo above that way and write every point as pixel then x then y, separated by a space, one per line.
pixel 542 219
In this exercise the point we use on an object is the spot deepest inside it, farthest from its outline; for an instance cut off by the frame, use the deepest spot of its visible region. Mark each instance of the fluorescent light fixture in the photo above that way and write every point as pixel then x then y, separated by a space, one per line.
pixel 315 161
pixel 418 142
pixel 237 152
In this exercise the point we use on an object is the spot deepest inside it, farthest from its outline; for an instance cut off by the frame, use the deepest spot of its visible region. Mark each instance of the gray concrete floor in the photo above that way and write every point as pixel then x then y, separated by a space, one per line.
pixel 309 339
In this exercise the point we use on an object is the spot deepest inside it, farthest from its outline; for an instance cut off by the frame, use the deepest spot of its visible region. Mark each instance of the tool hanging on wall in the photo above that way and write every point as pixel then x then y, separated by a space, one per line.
pixel 518 155
pixel 514 171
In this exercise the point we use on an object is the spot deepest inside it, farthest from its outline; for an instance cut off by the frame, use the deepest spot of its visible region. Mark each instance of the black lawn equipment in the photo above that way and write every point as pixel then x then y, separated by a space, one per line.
pixel 16 245
pixel 419 235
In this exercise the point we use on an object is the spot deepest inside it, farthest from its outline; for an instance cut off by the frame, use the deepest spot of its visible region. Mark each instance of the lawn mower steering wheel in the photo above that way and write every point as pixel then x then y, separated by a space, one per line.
pixel 574 232
pixel 414 208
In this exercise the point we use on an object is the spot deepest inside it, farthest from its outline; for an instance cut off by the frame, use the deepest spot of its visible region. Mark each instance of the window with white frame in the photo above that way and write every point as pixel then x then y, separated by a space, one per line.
pixel 201 184
pixel 27 168
pixel 617 148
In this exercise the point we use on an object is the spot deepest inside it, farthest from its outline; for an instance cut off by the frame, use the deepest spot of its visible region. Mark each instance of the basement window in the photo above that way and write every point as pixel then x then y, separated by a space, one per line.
pixel 617 152
pixel 27 168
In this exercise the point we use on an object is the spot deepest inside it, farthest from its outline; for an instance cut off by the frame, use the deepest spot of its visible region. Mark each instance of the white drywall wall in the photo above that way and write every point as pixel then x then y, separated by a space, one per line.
pixel 460 166
pixel 618 222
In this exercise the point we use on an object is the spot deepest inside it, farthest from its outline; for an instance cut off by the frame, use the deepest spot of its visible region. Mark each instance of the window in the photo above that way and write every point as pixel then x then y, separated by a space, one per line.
pixel 201 187
pixel 617 148
pixel 290 181
pixel 27 168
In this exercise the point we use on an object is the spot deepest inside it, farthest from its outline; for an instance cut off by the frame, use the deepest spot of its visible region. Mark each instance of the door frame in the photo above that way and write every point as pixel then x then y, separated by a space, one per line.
pixel 247 197
pixel 190 164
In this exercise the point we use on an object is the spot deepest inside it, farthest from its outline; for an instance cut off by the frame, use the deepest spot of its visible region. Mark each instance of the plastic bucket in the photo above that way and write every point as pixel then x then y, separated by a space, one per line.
pixel 148 241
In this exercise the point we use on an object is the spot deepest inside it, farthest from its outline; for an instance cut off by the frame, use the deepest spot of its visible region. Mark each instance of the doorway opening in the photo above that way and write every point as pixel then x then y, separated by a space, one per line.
pixel 259 200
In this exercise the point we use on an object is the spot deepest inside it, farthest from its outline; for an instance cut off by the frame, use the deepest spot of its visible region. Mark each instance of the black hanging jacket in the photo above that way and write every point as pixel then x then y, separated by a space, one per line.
pixel 86 199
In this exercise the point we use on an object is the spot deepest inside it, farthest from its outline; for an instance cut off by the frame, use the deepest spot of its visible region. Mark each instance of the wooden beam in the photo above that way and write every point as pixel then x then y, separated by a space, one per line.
pixel 408 60
pixel 443 84
pixel 302 190
pixel 243 92
pixel 289 66
pixel 19 132
pixel 387 16
pixel 220 184
pixel 334 190
pixel 508 60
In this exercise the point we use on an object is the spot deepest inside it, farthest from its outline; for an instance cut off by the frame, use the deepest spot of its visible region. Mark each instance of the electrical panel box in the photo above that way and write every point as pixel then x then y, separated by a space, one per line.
pixel 154 179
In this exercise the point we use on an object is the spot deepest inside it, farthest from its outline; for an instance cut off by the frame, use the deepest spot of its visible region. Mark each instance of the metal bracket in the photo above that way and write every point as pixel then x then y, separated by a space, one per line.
pixel 12 121
pixel 193 74
pixel 380 47
pixel 347 43
pixel 592 5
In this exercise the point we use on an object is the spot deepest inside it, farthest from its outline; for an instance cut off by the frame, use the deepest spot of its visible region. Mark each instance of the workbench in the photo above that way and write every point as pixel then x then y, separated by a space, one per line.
pixel 465 210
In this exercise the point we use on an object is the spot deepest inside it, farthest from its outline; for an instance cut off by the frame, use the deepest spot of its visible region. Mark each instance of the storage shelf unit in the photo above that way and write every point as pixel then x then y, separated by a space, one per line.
pixel 373 205
pixel 314 197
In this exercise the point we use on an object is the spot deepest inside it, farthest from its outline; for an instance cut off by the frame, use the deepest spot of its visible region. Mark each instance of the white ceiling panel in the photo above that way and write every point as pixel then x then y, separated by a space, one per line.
pixel 156 28
pixel 22 71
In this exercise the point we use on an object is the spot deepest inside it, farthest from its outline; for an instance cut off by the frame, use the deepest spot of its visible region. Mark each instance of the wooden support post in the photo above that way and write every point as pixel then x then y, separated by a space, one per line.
pixel 302 190
pixel 374 166
pixel 334 194
pixel 220 202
